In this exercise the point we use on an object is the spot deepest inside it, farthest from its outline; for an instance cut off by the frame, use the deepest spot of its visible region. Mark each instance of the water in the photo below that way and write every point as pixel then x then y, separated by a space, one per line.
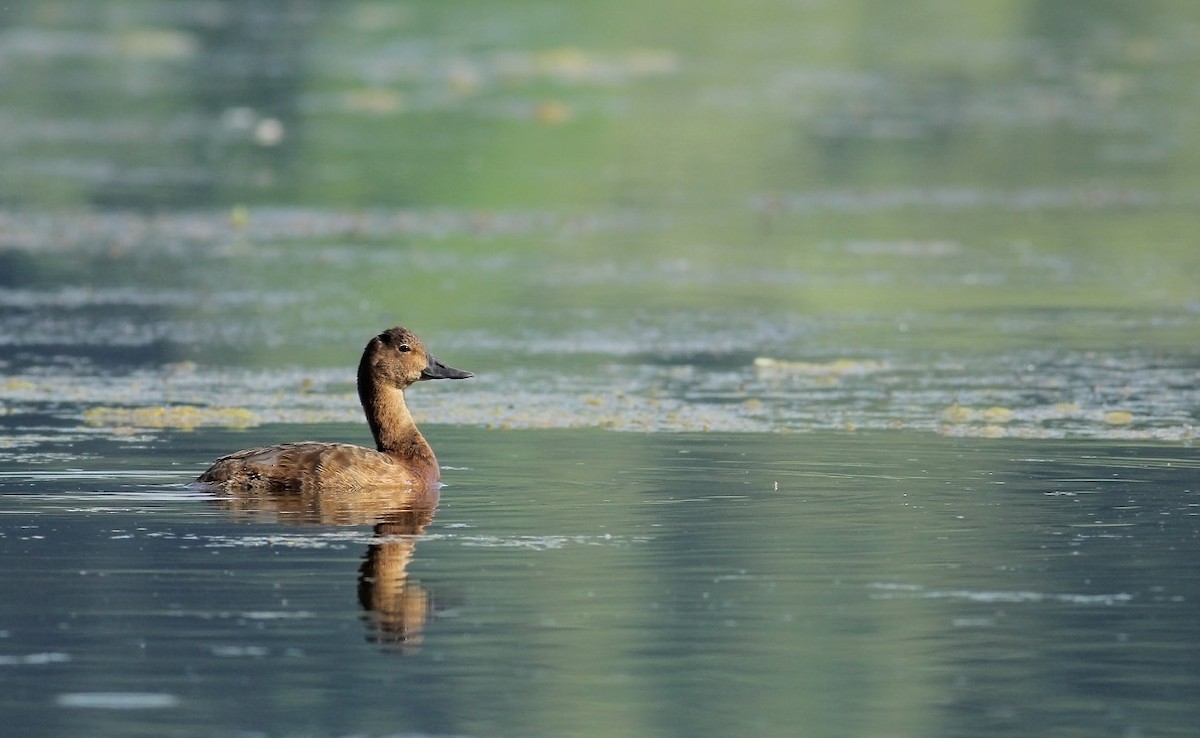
pixel 575 581
pixel 836 367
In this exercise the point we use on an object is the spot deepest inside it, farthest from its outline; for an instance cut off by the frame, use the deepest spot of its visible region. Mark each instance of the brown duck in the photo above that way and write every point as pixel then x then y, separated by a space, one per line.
pixel 391 362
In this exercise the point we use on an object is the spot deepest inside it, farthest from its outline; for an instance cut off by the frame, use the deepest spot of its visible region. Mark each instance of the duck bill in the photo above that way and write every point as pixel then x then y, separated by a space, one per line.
pixel 437 370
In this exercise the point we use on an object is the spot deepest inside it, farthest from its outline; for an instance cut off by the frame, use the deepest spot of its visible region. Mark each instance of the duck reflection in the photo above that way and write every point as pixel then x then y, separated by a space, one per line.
pixel 395 607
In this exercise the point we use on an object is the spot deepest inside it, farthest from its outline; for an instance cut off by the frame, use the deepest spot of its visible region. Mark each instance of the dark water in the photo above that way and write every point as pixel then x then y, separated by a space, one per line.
pixel 586 582
pixel 836 367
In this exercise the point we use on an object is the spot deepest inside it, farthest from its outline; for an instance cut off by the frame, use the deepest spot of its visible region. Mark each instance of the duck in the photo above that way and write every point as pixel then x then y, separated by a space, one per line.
pixel 392 361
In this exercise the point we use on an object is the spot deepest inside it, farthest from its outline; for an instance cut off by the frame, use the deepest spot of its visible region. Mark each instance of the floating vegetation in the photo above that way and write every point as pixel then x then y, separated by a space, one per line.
pixel 1050 420
pixel 1019 394
pixel 958 414
pixel 184 417
pixel 1118 417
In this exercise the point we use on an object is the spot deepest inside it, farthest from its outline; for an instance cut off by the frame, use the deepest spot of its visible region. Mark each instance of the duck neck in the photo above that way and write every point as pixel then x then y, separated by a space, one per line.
pixel 392 425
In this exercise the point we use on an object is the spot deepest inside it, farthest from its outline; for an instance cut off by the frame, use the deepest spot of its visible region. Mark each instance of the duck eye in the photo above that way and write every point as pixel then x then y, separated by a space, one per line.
pixel 403 348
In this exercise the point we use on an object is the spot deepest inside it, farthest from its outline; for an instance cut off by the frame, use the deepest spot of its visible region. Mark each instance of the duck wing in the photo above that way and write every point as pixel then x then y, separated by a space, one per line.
pixel 303 464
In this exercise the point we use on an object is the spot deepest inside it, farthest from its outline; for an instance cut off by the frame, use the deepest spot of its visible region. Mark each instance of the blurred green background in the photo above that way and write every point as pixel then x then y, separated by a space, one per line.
pixel 732 134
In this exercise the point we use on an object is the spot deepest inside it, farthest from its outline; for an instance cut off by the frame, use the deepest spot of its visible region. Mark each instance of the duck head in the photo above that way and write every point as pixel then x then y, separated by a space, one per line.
pixel 397 357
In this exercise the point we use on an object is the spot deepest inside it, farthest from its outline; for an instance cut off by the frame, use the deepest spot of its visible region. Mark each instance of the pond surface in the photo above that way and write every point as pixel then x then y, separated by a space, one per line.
pixel 837 367
pixel 585 582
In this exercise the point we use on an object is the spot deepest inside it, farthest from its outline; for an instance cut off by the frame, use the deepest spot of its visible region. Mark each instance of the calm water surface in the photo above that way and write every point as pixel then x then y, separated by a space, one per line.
pixel 589 582
pixel 837 367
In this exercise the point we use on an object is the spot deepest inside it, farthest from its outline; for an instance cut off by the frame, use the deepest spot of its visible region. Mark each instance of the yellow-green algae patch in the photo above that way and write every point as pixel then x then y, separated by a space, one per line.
pixel 169 416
